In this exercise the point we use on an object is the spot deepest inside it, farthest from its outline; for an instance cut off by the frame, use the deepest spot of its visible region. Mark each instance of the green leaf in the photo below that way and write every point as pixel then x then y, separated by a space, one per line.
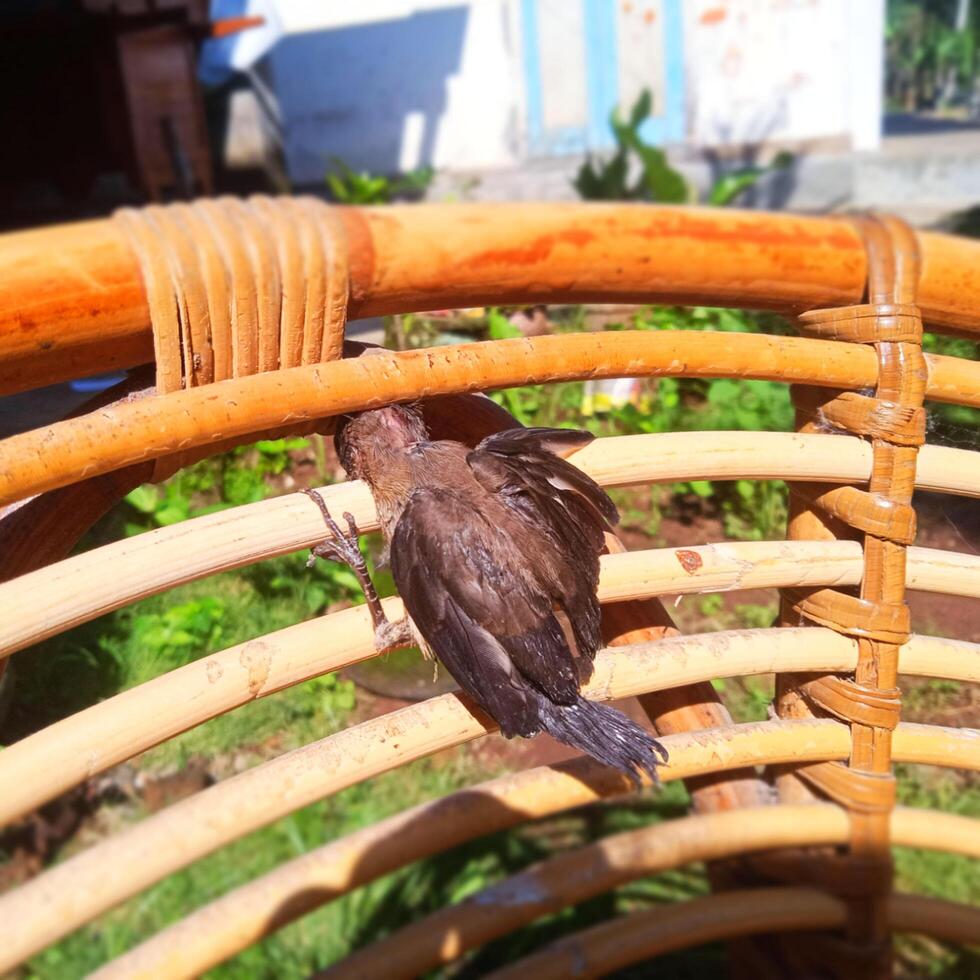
pixel 661 180
pixel 173 512
pixel 641 108
pixel 727 188
pixel 144 498
pixel 499 327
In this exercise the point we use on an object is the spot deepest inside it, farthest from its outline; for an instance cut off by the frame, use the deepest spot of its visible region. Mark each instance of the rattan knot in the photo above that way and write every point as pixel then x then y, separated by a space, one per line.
pixel 869 323
pixel 861 792
pixel 854 702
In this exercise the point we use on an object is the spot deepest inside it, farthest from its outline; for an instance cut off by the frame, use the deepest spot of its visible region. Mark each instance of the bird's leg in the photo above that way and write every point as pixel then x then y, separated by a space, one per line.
pixel 344 547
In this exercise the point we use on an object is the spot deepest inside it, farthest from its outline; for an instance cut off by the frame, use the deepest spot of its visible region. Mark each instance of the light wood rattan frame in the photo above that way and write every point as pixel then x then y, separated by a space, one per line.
pixel 265 286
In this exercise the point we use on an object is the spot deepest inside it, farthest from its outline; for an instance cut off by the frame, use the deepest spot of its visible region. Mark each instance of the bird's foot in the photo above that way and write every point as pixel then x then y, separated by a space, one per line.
pixel 389 635
pixel 343 547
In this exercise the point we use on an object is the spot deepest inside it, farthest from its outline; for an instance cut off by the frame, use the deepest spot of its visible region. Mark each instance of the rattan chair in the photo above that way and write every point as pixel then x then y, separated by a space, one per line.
pixel 242 308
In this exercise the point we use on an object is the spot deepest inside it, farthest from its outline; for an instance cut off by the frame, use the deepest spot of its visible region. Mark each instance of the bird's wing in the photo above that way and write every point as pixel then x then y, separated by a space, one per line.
pixel 464 582
pixel 525 470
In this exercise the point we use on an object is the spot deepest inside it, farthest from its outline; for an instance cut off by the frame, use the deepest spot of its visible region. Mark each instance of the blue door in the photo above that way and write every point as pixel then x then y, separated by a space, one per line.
pixel 582 58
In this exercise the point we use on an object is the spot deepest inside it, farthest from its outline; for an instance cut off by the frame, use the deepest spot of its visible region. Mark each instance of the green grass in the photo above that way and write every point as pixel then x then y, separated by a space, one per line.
pixel 135 644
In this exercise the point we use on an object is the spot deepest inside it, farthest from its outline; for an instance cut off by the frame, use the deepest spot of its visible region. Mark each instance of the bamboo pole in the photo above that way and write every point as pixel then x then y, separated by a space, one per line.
pixel 72 301
pixel 130 432
pixel 81 888
pixel 39 767
pixel 78 589
pixel 242 917
pixel 643 935
pixel 575 876
pixel 76 891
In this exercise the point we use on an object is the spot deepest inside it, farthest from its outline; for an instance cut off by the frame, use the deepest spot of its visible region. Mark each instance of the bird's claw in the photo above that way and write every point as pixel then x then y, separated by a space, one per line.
pixel 343 546
pixel 389 635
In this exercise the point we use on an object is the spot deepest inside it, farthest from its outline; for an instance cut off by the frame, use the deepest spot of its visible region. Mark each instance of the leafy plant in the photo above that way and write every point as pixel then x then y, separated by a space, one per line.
pixel 230 480
pixel 656 179
pixel 350 186
pixel 930 53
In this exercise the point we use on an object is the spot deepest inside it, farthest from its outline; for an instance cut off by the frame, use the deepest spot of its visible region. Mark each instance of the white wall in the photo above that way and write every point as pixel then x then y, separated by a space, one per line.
pixel 398 84
pixel 784 70
pixel 389 85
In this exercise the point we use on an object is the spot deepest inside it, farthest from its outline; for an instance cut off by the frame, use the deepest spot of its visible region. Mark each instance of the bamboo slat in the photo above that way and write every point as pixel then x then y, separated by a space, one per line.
pixel 643 935
pixel 249 913
pixel 575 876
pixel 72 301
pixel 81 888
pixel 127 433
pixel 78 589
pixel 39 767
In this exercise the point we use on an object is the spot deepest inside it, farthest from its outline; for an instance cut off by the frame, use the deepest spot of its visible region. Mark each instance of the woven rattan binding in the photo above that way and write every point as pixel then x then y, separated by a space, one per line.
pixel 892 418
pixel 239 287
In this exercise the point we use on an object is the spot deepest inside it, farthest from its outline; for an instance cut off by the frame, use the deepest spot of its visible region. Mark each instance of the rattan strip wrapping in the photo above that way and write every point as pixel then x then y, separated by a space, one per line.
pixel 893 419
pixel 238 287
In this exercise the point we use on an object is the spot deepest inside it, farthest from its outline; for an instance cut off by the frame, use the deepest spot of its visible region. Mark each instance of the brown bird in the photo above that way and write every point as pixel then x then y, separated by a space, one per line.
pixel 495 552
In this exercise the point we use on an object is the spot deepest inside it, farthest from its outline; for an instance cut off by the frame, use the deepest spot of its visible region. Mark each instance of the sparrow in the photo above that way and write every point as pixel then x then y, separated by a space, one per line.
pixel 495 553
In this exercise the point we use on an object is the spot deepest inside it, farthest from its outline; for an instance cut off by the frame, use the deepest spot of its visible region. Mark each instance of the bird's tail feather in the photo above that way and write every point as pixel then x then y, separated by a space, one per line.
pixel 604 733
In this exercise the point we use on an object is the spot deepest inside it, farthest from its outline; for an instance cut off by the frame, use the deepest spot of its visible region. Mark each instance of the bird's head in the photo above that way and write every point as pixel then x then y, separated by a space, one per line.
pixel 372 445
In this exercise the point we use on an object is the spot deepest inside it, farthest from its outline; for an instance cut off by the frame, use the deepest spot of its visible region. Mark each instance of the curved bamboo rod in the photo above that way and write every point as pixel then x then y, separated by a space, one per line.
pixel 72 300
pixel 81 888
pixel 78 589
pixel 242 917
pixel 39 767
pixel 578 875
pixel 643 935
pixel 74 892
pixel 126 433
pixel 722 567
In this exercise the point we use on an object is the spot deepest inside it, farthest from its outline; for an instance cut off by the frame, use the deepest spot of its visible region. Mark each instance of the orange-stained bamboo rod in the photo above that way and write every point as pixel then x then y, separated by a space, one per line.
pixel 129 432
pixel 578 875
pixel 643 935
pixel 39 767
pixel 72 301
pixel 78 589
pixel 249 913
pixel 81 888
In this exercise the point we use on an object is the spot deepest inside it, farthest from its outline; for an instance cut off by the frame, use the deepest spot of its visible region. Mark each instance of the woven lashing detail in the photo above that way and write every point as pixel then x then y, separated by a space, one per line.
pixel 902 425
pixel 892 419
pixel 860 792
pixel 237 287
pixel 871 513
pixel 872 323
pixel 851 615
pixel 857 703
